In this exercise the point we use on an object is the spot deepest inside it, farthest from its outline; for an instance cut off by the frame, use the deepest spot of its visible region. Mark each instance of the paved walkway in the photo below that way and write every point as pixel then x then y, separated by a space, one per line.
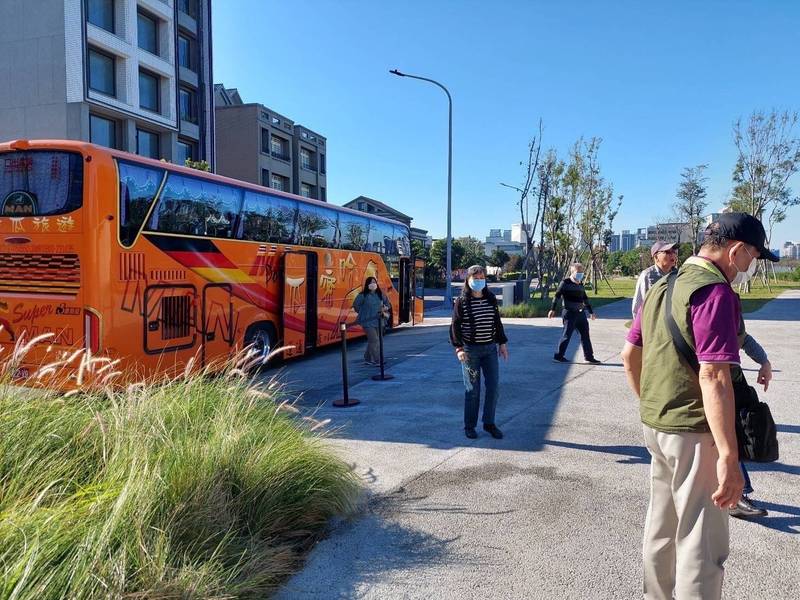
pixel 554 510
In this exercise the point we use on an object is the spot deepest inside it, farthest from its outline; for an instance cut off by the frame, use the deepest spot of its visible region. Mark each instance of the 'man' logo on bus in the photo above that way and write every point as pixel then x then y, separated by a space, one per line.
pixel 18 204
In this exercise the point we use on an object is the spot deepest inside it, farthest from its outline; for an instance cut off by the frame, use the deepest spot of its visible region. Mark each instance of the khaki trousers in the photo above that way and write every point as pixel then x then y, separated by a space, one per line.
pixel 373 350
pixel 685 536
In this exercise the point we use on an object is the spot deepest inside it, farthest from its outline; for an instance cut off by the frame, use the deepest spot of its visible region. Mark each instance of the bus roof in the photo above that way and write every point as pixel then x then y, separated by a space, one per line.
pixel 87 147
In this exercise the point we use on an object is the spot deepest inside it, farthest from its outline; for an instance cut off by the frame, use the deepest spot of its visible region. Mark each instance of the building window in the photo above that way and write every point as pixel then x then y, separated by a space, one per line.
pixel 185 151
pixel 306 190
pixel 279 147
pixel 101 72
pixel 322 163
pixel 188 7
pixel 265 177
pixel 102 131
pixel 186 52
pixel 276 121
pixel 148 91
pixel 148 33
pixel 264 141
pixel 101 13
pixel 279 182
pixel 147 144
pixel 322 195
pixel 187 100
pixel 307 159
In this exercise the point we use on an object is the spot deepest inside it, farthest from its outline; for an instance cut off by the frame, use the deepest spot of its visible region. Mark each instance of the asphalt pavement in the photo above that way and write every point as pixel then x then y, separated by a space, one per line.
pixel 556 509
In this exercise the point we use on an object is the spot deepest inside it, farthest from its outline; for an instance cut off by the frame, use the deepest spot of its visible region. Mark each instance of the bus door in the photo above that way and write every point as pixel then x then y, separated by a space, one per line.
pixel 170 314
pixel 217 324
pixel 419 291
pixel 299 301
pixel 405 288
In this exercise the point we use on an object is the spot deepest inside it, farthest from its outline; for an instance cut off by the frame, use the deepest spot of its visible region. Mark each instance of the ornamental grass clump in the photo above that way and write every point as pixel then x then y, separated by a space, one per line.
pixel 200 487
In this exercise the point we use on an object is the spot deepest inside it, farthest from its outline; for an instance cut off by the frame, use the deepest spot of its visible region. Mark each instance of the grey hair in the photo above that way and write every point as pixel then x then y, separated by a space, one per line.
pixel 475 269
pixel 573 268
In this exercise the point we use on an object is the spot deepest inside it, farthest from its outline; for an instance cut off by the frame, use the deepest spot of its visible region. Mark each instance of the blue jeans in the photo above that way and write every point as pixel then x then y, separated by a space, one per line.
pixel 748 487
pixel 480 358
pixel 575 319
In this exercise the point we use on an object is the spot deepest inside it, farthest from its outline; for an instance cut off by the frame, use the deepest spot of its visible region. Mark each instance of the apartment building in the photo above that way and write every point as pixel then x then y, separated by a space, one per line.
pixel 128 74
pixel 257 144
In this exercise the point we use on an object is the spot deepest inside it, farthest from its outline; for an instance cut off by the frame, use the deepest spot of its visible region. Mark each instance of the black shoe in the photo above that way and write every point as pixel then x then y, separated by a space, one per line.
pixel 470 433
pixel 493 431
pixel 594 361
pixel 557 358
pixel 747 509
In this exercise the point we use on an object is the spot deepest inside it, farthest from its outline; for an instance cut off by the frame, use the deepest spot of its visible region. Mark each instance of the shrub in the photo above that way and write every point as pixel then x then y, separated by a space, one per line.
pixel 196 488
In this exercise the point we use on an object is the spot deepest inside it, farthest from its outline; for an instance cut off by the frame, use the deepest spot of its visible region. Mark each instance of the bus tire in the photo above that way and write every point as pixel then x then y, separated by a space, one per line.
pixel 261 336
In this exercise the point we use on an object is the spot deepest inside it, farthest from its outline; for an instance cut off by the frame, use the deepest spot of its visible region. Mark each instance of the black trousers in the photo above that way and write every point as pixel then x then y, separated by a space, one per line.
pixel 575 319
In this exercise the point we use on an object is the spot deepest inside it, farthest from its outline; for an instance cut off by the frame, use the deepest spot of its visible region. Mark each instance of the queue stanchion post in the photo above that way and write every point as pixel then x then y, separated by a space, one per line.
pixel 382 376
pixel 345 401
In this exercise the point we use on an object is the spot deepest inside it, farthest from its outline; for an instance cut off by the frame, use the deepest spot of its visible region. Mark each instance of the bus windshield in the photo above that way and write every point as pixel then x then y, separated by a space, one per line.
pixel 40 183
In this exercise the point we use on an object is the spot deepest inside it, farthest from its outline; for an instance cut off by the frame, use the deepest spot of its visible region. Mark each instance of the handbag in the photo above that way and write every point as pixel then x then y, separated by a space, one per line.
pixel 756 434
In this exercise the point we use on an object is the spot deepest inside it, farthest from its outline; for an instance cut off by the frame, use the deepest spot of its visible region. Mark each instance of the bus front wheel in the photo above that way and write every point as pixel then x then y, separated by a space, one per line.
pixel 261 338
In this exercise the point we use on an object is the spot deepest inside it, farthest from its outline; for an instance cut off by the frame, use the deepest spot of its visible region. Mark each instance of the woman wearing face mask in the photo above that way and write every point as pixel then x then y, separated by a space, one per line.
pixel 369 304
pixel 576 303
pixel 478 336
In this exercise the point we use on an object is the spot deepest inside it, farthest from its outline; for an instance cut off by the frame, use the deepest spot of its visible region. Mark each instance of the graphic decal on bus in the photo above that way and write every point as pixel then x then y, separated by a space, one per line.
pixel 206 260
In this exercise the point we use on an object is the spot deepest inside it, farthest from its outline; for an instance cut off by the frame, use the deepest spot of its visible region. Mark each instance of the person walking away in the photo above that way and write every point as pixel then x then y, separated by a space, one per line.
pixel 576 304
pixel 665 257
pixel 746 507
pixel 477 333
pixel 370 304
pixel 688 418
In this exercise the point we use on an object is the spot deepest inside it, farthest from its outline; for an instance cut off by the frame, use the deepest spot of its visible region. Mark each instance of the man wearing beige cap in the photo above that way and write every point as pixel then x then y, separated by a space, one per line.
pixel 665 257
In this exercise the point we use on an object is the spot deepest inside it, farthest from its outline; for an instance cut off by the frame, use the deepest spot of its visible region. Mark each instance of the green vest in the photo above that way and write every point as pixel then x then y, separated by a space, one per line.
pixel 670 398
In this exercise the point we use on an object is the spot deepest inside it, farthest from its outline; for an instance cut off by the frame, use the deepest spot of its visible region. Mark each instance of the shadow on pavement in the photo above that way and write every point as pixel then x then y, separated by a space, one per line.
pixel 633 455
pixel 388 547
pixel 788 428
pixel 784 308
pixel 776 467
pixel 786 524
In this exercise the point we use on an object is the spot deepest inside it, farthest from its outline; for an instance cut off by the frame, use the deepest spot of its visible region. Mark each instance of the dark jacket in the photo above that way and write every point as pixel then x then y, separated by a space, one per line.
pixel 459 315
pixel 574 295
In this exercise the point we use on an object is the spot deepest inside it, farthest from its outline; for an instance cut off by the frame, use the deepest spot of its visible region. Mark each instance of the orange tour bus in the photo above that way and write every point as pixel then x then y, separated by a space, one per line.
pixel 154 264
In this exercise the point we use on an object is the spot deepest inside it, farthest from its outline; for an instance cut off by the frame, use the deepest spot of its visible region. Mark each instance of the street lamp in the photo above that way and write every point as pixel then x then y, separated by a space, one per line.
pixel 448 297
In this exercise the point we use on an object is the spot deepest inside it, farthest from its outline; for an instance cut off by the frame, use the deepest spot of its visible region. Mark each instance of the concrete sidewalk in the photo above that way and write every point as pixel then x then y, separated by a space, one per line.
pixel 554 510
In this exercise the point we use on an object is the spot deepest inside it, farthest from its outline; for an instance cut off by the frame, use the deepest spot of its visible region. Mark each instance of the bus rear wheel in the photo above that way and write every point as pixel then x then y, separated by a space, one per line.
pixel 261 338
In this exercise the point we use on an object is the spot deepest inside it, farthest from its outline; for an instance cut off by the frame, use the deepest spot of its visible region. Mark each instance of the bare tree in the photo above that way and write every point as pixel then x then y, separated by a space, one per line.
pixel 530 192
pixel 691 205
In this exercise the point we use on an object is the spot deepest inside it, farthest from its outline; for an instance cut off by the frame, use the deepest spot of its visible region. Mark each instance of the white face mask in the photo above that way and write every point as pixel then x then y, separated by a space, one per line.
pixel 373 286
pixel 745 276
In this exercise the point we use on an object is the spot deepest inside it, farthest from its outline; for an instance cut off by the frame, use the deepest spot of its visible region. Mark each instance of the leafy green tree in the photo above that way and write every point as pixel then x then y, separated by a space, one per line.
pixel 438 254
pixel 691 205
pixel 498 258
pixel 474 253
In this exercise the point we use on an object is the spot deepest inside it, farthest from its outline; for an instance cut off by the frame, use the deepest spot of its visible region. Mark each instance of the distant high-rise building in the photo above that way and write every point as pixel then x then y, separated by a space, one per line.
pixel 518 233
pixel 791 250
pixel 128 74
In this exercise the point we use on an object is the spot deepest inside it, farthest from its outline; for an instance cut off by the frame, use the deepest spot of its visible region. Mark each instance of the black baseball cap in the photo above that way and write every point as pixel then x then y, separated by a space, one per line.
pixel 743 228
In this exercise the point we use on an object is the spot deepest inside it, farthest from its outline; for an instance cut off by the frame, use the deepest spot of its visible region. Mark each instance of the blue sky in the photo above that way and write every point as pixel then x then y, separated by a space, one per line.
pixel 660 82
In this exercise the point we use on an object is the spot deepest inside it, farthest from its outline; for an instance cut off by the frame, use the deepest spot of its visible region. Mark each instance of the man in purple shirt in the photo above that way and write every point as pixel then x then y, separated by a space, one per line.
pixel 688 417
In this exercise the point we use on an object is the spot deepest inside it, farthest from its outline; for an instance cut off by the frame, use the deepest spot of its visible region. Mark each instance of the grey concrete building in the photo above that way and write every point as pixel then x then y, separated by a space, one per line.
pixel 259 145
pixel 308 161
pixel 254 143
pixel 129 74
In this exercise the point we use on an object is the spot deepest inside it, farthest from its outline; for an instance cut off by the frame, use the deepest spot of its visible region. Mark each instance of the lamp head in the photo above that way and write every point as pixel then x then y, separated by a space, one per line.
pixel 396 72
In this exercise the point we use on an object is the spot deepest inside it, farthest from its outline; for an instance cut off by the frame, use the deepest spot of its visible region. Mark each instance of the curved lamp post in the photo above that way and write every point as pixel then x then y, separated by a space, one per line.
pixel 448 297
